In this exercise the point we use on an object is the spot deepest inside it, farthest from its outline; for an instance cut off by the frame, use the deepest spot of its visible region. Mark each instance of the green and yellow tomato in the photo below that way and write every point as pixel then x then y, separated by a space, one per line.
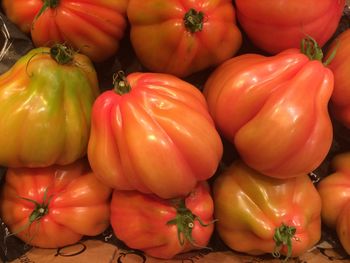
pixel 45 105
pixel 259 214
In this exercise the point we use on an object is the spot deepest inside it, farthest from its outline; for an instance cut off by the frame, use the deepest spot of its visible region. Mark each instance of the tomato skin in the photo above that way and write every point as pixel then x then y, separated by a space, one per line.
pixel 250 206
pixel 45 110
pixel 288 21
pixel 79 204
pixel 22 12
pixel 339 65
pixel 335 194
pixel 93 28
pixel 158 138
pixel 274 110
pixel 163 44
pixel 140 221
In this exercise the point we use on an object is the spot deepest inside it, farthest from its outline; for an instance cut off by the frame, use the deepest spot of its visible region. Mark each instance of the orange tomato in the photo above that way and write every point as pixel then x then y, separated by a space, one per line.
pixel 183 37
pixel 163 228
pixel 335 194
pixel 155 136
pixel 92 27
pixel 274 110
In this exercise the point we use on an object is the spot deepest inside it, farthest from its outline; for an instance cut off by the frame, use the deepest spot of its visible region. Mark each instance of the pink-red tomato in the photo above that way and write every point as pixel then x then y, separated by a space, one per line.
pixel 276 25
pixel 340 66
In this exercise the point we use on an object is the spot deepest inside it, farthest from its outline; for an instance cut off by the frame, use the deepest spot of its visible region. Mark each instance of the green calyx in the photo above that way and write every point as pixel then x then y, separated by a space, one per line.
pixel 284 236
pixel 51 3
pixel 193 20
pixel 184 222
pixel 39 211
pixel 46 4
pixel 311 49
pixel 120 83
pixel 62 54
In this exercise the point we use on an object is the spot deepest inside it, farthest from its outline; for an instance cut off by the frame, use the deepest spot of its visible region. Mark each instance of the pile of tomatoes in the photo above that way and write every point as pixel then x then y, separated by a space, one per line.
pixel 166 159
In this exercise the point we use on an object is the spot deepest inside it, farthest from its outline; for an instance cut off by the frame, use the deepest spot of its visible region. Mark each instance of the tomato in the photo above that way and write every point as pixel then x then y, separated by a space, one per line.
pixel 335 194
pixel 92 27
pixel 274 26
pixel 339 64
pixel 54 206
pixel 46 102
pixel 259 214
pixel 163 228
pixel 274 110
pixel 182 37
pixel 153 133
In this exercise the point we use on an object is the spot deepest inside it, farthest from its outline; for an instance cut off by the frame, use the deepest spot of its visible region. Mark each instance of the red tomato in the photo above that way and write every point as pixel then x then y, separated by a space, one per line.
pixel 92 27
pixel 340 66
pixel 276 25
pixel 54 206
pixel 155 137
pixel 274 110
pixel 258 214
pixel 163 228
pixel 335 193
pixel 183 37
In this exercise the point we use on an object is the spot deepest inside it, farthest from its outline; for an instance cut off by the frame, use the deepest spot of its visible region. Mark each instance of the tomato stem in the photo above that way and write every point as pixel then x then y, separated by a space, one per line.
pixel 283 237
pixel 120 83
pixel 193 20
pixel 184 222
pixel 332 54
pixel 61 54
pixel 40 210
pixel 311 49
pixel 51 3
pixel 46 4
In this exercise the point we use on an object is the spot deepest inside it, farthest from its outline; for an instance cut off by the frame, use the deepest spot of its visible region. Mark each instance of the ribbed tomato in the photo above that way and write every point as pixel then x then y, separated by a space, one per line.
pixel 92 27
pixel 183 37
pixel 54 206
pixel 335 194
pixel 258 214
pixel 154 134
pixel 274 109
pixel 46 100
pixel 163 228
pixel 338 55
pixel 276 25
